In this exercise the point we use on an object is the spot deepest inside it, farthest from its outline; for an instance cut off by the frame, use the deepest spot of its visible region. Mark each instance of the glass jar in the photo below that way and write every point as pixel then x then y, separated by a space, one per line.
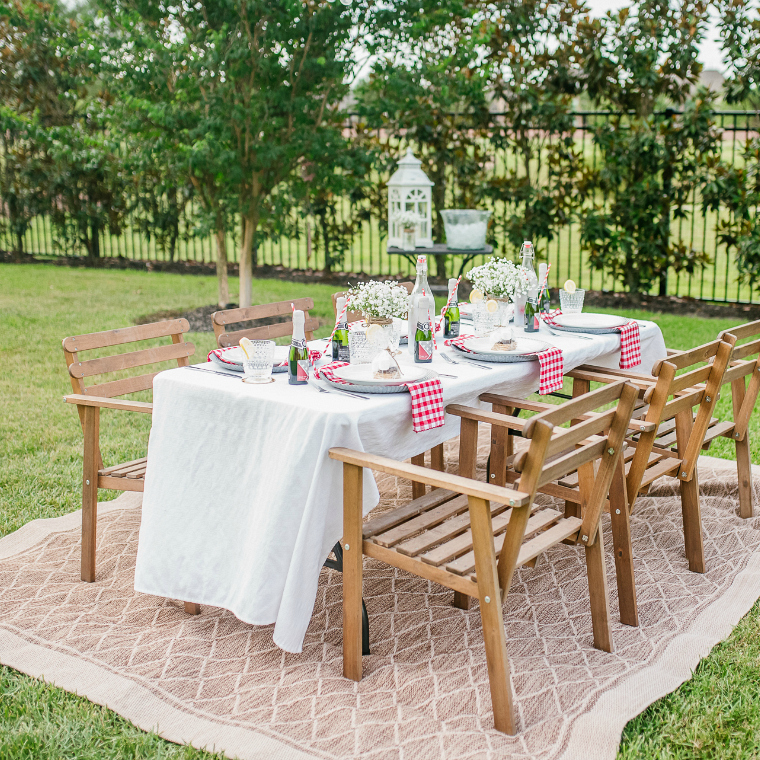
pixel 409 238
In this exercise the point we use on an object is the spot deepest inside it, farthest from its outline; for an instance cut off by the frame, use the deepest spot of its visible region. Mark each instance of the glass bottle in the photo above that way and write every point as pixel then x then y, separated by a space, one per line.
pixel 298 355
pixel 340 349
pixel 423 336
pixel 528 259
pixel 451 319
pixel 545 305
pixel 420 285
pixel 531 315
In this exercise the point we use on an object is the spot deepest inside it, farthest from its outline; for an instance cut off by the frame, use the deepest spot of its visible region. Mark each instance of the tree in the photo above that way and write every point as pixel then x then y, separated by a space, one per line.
pixel 429 83
pixel 637 60
pixel 257 82
pixel 535 65
pixel 738 187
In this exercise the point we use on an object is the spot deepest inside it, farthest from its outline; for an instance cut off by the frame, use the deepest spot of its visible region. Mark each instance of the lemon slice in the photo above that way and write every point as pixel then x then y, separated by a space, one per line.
pixel 476 296
pixel 491 306
pixel 374 332
pixel 247 347
pixel 570 286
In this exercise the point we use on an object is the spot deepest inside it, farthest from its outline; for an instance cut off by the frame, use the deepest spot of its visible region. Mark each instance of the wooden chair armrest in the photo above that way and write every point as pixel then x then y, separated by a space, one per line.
pixel 518 403
pixel 672 351
pixel 109 403
pixel 608 375
pixel 481 415
pixel 434 478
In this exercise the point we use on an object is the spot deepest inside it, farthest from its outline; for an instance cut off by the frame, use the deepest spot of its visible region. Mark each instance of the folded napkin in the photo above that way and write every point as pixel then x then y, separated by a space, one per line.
pixel 219 354
pixel 552 368
pixel 630 339
pixel 427 397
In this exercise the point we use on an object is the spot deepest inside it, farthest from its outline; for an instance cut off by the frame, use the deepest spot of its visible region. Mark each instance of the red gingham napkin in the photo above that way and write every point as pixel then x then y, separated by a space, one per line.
pixel 219 354
pixel 552 367
pixel 630 340
pixel 427 398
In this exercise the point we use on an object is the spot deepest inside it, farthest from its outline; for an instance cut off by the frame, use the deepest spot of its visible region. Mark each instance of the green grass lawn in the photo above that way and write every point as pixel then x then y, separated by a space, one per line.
pixel 715 715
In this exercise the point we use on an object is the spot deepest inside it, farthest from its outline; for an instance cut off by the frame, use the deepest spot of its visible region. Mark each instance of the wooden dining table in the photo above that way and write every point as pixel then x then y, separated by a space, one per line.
pixel 242 504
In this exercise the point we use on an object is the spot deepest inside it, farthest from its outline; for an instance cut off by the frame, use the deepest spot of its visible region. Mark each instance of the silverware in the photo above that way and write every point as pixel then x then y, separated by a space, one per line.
pixel 237 375
pixel 469 362
pixel 331 389
pixel 441 374
pixel 574 334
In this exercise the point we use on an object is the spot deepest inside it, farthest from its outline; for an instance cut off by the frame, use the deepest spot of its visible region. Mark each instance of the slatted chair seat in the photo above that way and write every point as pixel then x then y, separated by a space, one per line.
pixel 93 391
pixel 471 536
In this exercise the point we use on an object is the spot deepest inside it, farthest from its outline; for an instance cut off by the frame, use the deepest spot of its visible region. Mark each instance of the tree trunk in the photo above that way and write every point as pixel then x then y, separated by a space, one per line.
pixel 223 297
pixel 439 203
pixel 93 241
pixel 250 223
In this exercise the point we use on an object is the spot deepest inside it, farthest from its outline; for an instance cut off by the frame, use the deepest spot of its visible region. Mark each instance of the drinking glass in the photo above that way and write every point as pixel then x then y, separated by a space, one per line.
pixel 258 369
pixel 361 350
pixel 483 320
pixel 571 303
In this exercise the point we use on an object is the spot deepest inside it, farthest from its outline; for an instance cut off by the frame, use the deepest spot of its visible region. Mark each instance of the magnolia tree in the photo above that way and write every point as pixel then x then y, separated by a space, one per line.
pixel 639 59
pixel 247 91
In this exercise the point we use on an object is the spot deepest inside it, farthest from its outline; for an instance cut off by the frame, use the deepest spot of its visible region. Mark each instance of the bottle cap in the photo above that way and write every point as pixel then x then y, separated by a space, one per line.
pixel 452 283
pixel 298 319
pixel 542 271
pixel 339 304
pixel 422 261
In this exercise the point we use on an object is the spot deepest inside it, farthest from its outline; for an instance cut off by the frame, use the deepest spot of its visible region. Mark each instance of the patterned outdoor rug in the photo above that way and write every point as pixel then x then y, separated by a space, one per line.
pixel 214 682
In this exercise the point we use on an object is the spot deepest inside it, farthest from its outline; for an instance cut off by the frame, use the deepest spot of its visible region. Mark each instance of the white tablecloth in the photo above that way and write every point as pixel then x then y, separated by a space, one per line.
pixel 242 504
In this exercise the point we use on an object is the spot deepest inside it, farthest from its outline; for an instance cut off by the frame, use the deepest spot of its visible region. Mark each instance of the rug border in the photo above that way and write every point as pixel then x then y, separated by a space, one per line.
pixel 596 735
pixel 124 696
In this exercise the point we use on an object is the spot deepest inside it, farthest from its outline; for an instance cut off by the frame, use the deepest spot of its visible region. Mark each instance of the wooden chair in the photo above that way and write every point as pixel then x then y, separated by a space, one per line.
pixel 221 321
pixel 666 436
pixel 355 316
pixel 745 363
pixel 91 398
pixel 471 536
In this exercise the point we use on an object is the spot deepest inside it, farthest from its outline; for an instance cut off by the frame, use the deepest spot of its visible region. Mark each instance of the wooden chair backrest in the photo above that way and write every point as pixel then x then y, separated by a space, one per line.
pixel 698 386
pixel 222 319
pixel 555 452
pixel 745 362
pixel 82 369
pixel 355 316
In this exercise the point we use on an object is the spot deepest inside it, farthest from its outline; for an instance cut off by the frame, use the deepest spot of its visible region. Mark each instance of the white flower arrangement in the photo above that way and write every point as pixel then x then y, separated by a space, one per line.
pixel 381 300
pixel 407 219
pixel 499 277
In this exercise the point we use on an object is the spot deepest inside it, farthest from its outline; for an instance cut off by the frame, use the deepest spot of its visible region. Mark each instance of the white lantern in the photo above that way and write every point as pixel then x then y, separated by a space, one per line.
pixel 409 190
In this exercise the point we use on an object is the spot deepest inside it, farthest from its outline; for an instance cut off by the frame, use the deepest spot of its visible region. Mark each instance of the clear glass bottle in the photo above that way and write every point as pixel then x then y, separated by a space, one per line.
pixel 531 315
pixel 298 355
pixel 420 285
pixel 451 319
pixel 528 264
pixel 340 349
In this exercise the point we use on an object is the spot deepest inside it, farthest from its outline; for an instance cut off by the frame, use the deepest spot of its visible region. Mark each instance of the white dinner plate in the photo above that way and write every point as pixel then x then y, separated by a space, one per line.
pixel 524 346
pixel 592 321
pixel 233 357
pixel 361 374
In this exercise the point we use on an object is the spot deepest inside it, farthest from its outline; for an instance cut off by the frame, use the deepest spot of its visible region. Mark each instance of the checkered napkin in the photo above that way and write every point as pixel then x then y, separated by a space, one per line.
pixel 550 361
pixel 630 339
pixel 427 398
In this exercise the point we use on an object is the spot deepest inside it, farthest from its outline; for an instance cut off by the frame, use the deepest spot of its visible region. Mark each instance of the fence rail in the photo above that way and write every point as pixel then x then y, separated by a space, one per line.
pixel 698 229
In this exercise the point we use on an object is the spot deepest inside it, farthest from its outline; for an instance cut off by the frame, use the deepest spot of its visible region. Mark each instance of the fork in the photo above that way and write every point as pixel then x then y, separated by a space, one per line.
pixel 317 386
pixel 559 335
pixel 455 361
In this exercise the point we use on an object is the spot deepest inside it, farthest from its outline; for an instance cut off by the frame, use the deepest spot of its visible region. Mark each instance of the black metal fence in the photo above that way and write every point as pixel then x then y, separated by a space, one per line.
pixel 367 252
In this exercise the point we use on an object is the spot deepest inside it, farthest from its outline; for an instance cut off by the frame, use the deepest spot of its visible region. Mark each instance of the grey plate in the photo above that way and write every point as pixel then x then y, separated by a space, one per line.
pixel 587 330
pixel 378 388
pixel 239 367
pixel 500 359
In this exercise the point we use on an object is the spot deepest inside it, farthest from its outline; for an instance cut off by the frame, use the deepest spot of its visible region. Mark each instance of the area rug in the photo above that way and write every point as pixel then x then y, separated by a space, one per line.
pixel 215 682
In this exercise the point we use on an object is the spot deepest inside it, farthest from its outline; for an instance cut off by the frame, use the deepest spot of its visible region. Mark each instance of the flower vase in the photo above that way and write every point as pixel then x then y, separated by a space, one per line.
pixel 519 302
pixel 409 238
pixel 503 315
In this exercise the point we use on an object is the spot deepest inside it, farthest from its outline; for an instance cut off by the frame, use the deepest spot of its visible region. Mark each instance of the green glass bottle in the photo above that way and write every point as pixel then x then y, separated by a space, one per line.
pixel 298 356
pixel 423 337
pixel 451 319
pixel 531 315
pixel 340 349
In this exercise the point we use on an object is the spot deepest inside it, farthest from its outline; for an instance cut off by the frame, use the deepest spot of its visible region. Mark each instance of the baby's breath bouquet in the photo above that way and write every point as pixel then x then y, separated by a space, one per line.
pixel 379 300
pixel 499 278
pixel 407 219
